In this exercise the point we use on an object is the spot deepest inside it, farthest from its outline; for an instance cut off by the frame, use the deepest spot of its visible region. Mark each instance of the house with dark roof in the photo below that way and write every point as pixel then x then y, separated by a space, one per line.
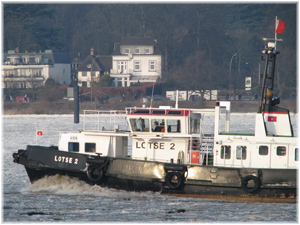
pixel 136 60
pixel 29 70
pixel 93 68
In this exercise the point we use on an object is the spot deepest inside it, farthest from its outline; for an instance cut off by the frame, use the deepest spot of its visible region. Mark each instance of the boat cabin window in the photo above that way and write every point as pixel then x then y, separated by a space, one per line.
pixel 241 152
pixel 263 150
pixel 173 126
pixel 142 111
pixel 296 154
pixel 195 126
pixel 225 151
pixel 90 147
pixel 175 112
pixel 140 124
pixel 158 125
pixel 158 112
pixel 281 151
pixel 73 147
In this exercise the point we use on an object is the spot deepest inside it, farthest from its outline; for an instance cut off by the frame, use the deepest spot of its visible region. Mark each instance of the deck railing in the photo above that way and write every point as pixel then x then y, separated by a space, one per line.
pixel 100 120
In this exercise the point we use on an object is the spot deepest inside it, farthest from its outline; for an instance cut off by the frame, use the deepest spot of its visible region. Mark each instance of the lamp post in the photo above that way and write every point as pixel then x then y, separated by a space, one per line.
pixel 230 77
pixel 91 76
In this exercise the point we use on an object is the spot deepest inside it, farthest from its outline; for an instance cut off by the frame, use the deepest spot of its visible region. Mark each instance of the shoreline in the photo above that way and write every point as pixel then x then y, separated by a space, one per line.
pixel 67 107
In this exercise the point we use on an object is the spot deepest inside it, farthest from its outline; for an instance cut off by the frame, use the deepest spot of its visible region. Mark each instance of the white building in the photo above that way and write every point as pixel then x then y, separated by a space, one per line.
pixel 136 60
pixel 93 68
pixel 28 70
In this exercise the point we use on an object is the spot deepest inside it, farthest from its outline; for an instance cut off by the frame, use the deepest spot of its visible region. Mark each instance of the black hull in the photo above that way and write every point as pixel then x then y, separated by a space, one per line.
pixel 273 185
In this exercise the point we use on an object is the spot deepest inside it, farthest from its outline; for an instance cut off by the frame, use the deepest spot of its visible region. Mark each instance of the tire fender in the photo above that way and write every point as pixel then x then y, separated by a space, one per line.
pixel 95 173
pixel 174 175
pixel 245 181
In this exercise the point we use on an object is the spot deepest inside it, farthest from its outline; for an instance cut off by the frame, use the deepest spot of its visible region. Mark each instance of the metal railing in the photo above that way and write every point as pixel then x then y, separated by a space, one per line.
pixel 101 120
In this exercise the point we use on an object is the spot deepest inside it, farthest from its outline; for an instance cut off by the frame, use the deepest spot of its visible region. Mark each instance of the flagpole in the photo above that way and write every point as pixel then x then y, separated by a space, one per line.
pixel 275 32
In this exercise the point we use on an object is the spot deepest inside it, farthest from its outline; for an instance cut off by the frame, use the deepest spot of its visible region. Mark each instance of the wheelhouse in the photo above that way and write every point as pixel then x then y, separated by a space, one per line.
pixel 165 134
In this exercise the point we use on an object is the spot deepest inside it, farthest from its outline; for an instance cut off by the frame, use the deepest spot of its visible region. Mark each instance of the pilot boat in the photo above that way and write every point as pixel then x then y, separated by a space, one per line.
pixel 171 153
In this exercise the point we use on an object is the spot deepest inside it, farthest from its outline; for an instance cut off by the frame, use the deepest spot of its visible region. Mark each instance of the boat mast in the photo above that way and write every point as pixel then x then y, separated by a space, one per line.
pixel 268 78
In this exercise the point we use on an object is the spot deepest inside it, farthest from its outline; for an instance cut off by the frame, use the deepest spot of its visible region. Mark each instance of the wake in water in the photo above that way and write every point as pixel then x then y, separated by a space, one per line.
pixel 66 185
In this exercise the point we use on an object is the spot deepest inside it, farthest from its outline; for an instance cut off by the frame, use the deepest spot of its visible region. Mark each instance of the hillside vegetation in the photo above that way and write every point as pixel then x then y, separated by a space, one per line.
pixel 198 40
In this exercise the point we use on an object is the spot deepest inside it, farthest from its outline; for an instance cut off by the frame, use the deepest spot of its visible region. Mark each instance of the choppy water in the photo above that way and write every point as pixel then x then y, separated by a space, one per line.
pixel 61 199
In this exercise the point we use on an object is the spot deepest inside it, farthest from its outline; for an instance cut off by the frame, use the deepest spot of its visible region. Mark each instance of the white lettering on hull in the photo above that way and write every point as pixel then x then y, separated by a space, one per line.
pixel 65 159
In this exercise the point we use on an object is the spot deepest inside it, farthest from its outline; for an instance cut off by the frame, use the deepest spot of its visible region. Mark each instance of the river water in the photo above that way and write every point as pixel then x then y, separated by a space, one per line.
pixel 61 199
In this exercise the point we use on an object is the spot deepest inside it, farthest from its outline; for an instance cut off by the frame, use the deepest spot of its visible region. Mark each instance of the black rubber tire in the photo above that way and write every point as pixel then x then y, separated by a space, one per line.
pixel 245 181
pixel 169 177
pixel 95 173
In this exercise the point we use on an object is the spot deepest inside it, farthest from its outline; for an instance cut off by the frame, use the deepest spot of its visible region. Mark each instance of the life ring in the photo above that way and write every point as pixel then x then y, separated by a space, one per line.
pixel 94 173
pixel 252 188
pixel 174 180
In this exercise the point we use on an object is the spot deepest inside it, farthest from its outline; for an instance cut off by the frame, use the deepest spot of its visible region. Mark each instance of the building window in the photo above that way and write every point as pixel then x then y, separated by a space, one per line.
pixel 90 147
pixel 73 147
pixel 263 150
pixel 122 67
pixel 296 154
pixel 84 84
pixel 241 152
pixel 152 66
pixel 84 73
pixel 137 65
pixel 127 51
pixel 137 51
pixel 281 151
pixel 147 51
pixel 24 60
pixel 225 151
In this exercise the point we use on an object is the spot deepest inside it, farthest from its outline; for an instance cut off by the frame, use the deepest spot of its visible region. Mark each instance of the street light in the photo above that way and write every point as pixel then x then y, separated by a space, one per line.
pixel 91 76
pixel 230 76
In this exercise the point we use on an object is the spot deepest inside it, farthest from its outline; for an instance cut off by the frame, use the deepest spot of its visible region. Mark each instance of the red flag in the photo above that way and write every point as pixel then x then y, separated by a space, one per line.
pixel 280 27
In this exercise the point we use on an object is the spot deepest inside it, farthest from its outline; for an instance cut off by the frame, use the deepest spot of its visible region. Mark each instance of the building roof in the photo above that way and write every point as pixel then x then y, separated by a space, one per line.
pixel 48 54
pixel 137 41
pixel 142 41
pixel 99 63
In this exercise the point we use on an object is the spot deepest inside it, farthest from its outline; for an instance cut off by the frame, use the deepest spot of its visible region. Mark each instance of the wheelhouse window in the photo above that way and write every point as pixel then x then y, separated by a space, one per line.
pixel 263 150
pixel 241 152
pixel 140 124
pixel 90 147
pixel 195 126
pixel 73 147
pixel 173 126
pixel 281 151
pixel 225 151
pixel 296 154
pixel 158 125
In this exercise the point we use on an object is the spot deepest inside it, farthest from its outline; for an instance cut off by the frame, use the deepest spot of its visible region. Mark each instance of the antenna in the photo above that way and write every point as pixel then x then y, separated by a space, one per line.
pixel 176 105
